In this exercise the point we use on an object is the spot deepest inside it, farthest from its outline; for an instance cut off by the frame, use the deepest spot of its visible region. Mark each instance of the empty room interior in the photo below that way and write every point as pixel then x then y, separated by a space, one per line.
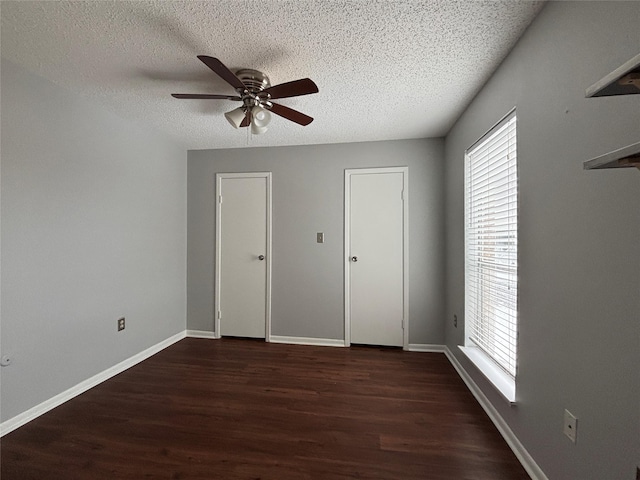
pixel 320 239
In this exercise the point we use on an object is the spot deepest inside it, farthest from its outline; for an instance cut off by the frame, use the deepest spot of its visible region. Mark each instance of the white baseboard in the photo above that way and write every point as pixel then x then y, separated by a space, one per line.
pixel 34 412
pixel 425 347
pixel 201 334
pixel 527 461
pixel 321 342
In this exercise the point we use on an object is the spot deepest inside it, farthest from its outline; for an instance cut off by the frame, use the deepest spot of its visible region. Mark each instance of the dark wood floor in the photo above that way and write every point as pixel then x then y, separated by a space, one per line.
pixel 242 409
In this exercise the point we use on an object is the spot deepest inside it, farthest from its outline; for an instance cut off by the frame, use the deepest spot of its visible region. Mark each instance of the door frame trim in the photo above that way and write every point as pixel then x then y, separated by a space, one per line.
pixel 218 246
pixel 405 254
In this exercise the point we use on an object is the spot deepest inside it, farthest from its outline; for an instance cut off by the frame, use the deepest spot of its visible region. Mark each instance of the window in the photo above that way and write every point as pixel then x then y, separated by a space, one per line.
pixel 491 251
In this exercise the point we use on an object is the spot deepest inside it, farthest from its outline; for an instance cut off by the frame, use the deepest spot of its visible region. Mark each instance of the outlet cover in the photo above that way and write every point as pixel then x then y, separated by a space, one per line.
pixel 570 426
pixel 121 324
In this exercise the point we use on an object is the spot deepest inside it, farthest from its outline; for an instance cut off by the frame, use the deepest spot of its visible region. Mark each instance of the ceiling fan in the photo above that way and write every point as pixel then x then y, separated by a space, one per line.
pixel 255 92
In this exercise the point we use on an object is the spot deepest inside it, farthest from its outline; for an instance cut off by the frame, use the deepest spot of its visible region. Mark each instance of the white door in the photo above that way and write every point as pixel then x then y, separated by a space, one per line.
pixel 376 306
pixel 243 255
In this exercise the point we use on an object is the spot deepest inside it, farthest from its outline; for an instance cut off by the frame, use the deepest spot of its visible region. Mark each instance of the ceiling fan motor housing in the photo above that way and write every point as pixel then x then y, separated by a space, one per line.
pixel 254 80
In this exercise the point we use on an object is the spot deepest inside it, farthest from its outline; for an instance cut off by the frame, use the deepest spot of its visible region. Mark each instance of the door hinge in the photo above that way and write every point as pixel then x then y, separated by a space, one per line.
pixel 219 315
pixel 219 198
pixel 403 323
pixel 402 195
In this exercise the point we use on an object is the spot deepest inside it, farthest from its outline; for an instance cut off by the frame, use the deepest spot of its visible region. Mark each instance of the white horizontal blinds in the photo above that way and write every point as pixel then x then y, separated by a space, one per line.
pixel 491 271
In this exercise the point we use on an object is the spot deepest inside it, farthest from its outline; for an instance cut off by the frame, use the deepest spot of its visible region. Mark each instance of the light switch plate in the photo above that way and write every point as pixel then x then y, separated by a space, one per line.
pixel 320 237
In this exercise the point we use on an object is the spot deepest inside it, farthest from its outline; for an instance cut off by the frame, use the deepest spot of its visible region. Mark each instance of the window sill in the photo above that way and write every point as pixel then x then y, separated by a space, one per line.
pixel 504 384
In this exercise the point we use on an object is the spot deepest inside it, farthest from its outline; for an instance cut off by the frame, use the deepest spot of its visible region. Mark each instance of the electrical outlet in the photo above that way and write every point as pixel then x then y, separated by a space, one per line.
pixel 455 321
pixel 570 426
pixel 121 324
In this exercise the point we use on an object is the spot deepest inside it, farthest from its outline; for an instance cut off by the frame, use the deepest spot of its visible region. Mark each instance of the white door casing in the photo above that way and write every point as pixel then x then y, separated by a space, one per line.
pixel 376 234
pixel 243 255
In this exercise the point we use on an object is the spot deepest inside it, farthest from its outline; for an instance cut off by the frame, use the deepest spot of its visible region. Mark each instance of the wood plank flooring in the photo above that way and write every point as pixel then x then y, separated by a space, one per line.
pixel 242 409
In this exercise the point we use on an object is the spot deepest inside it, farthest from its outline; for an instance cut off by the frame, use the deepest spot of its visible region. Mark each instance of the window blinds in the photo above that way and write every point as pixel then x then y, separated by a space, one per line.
pixel 491 243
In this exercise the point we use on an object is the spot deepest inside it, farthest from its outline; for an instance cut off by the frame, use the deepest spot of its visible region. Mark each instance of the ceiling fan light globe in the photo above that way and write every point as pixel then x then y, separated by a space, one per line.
pixel 256 130
pixel 260 117
pixel 235 116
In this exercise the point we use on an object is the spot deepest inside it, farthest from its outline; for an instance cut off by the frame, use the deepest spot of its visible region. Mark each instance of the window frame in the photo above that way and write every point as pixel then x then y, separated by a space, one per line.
pixel 500 372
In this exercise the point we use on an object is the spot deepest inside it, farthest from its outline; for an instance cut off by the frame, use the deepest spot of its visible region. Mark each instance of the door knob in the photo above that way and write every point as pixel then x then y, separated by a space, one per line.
pixel 354 259
pixel 260 257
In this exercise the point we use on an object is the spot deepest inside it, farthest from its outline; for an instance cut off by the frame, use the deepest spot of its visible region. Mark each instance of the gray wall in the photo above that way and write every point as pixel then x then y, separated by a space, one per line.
pixel 308 197
pixel 579 298
pixel 93 228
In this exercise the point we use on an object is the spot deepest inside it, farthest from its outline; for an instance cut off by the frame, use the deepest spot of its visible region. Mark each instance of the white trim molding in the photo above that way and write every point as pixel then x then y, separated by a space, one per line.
pixel 42 408
pixel 200 334
pixel 527 461
pixel 502 382
pixel 425 347
pixel 319 342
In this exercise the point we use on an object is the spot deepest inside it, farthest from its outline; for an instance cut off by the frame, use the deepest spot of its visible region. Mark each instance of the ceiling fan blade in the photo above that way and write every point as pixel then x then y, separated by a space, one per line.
pixel 246 121
pixel 291 114
pixel 304 86
pixel 205 96
pixel 227 75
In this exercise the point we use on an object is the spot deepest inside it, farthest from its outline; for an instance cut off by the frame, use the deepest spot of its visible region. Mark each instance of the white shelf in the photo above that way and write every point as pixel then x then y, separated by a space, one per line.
pixel 624 80
pixel 625 157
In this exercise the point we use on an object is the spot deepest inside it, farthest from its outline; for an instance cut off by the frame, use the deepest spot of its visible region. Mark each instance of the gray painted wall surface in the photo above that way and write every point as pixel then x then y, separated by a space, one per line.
pixel 93 228
pixel 308 197
pixel 579 235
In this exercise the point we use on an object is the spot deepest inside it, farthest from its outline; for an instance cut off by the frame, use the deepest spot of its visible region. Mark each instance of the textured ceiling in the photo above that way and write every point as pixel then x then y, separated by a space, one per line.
pixel 385 69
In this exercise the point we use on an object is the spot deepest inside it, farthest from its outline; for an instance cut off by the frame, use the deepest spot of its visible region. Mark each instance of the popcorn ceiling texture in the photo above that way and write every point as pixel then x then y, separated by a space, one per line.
pixel 385 69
